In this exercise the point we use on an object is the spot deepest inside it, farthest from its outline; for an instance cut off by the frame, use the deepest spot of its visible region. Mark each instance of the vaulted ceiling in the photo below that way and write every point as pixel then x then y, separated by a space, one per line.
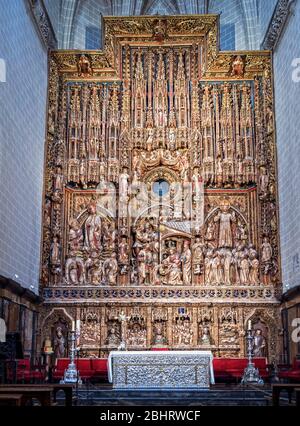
pixel 74 14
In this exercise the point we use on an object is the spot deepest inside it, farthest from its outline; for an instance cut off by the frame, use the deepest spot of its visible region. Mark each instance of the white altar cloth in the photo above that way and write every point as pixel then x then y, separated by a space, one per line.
pixel 160 369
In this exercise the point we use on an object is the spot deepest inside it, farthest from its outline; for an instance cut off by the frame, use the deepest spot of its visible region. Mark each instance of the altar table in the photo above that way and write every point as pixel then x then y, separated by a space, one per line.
pixel 162 369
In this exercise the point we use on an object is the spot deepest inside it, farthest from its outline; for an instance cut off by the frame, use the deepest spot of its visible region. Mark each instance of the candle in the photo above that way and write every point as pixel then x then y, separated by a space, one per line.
pixel 249 325
pixel 78 325
pixel 73 325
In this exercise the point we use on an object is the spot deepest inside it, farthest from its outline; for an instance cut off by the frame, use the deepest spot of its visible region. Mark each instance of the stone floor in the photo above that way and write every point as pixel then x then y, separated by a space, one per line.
pixel 217 395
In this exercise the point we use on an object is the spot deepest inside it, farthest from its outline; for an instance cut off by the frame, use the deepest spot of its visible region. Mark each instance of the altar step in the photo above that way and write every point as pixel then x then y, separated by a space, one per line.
pixel 221 396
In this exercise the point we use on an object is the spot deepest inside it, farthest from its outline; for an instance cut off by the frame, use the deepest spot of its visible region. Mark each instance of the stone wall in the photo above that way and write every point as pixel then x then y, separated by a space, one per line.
pixel 22 134
pixel 287 109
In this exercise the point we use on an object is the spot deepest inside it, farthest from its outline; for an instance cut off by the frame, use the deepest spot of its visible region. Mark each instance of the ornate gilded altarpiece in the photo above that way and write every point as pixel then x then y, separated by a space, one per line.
pixel 160 191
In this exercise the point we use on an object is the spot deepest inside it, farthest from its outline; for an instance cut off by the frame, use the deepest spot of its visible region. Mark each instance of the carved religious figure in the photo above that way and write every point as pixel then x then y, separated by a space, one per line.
pixel 124 251
pixel 205 339
pixel 266 254
pixel 159 339
pixel 74 270
pixel 113 340
pixel 58 179
pixel 84 67
pixel 259 344
pixel 92 229
pixel 123 183
pixel 198 255
pixel 174 268
pixel 263 183
pixel 59 343
pixel 75 236
pixel 93 268
pixel 197 182
pixel 225 219
pixel 186 258
pixel 55 251
pixel 238 67
pixel 110 269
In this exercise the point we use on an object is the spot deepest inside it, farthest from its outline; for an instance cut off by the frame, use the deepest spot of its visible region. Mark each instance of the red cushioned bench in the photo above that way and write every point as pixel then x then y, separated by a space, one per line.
pixel 233 368
pixel 24 372
pixel 99 367
pixel 89 368
pixel 291 374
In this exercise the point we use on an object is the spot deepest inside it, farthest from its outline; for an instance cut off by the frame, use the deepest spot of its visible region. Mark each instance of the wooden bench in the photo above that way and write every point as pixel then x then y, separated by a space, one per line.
pixel 39 392
pixel 297 391
pixel 66 388
pixel 278 387
pixel 14 399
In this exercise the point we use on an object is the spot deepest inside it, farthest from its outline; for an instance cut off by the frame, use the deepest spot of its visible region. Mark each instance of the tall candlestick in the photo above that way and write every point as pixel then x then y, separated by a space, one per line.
pixel 249 325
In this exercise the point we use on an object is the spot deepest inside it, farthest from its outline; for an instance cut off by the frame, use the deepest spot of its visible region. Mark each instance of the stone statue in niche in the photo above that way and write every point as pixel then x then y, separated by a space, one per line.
pixel 84 67
pixel 263 183
pixel 55 251
pixel 59 343
pixel 238 67
pixel 58 179
pixel 113 338
pixel 93 148
pixel 159 339
pixel 92 229
pixel 205 339
pixel 225 218
pixel 267 252
pixel 110 270
pixel 259 344
pixel 159 30
pixel 266 258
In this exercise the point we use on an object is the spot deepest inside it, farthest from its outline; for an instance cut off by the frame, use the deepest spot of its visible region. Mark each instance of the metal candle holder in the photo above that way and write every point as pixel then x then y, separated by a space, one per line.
pixel 71 374
pixel 251 374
